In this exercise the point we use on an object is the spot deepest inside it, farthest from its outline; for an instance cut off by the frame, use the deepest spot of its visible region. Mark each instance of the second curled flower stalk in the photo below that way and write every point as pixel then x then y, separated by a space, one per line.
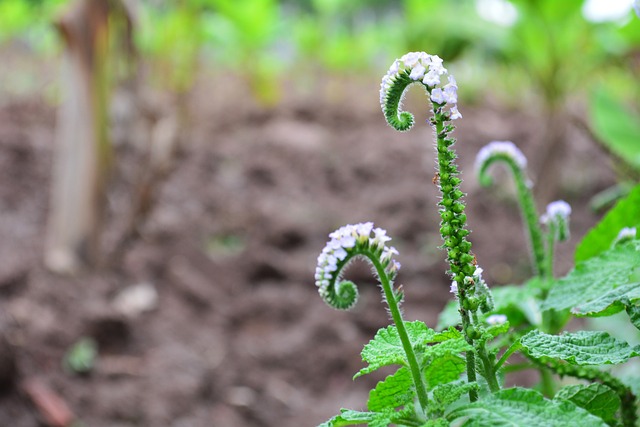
pixel 427 70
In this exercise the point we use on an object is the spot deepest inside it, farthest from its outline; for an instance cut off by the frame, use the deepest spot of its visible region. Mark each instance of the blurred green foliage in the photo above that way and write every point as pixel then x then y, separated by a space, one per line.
pixel 550 50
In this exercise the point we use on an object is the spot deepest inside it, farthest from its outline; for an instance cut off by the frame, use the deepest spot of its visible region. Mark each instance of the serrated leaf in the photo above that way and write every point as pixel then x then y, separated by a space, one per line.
pixel 451 347
pixel 610 303
pixel 626 213
pixel 523 407
pixel 449 334
pixel 634 314
pixel 580 348
pixel 596 277
pixel 438 422
pixel 448 393
pixel 596 398
pixel 386 348
pixel 348 417
pixel 396 390
pixel 444 369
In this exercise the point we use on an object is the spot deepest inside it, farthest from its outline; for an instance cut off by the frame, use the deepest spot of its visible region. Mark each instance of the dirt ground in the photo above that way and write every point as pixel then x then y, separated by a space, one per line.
pixel 239 336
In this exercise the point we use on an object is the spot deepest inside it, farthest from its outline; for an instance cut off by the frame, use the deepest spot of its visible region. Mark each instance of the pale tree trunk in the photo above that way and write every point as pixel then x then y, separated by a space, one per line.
pixel 83 151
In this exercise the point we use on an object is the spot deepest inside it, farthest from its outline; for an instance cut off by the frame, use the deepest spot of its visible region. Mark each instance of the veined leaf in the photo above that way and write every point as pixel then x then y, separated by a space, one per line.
pixel 626 213
pixel 348 417
pixel 610 303
pixel 396 390
pixel 596 278
pixel 596 398
pixel 523 407
pixel 386 348
pixel 580 348
pixel 448 393
pixel 444 370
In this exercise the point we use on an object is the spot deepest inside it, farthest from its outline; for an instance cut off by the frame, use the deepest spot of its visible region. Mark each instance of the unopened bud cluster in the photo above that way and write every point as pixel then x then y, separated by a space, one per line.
pixel 557 216
pixel 344 244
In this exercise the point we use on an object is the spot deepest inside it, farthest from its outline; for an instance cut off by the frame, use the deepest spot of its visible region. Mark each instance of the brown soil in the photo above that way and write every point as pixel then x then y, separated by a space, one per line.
pixel 239 336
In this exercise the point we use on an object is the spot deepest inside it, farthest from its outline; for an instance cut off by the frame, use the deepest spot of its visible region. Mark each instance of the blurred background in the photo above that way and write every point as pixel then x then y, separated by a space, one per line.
pixel 170 170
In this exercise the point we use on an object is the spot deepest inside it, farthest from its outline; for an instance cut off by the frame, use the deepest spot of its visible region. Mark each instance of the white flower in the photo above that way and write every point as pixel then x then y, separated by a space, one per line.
pixel 431 78
pixel 411 59
pixel 505 148
pixel 496 319
pixel 454 288
pixel 380 237
pixel 455 114
pixel 627 233
pixel 437 96
pixel 450 94
pixel 558 209
pixel 418 72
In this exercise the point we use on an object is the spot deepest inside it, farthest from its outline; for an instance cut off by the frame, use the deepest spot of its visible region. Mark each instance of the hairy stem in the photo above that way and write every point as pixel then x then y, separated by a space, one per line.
pixel 396 314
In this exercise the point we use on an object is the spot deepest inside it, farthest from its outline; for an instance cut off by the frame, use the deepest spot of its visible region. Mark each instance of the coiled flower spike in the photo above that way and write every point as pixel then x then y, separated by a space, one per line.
pixel 428 71
pixel 507 153
pixel 362 240
pixel 345 244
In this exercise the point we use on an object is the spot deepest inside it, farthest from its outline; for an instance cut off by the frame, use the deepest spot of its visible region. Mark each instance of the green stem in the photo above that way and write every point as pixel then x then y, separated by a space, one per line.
pixel 453 232
pixel 551 242
pixel 546 382
pixel 489 368
pixel 530 217
pixel 396 314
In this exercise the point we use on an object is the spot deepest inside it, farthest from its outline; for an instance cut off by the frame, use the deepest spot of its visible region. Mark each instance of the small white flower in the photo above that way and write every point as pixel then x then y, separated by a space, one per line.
pixel 450 94
pixel 558 209
pixel 506 148
pixel 411 59
pixel 340 253
pixel 627 233
pixel 437 96
pixel 455 114
pixel 348 242
pixel 496 319
pixel 454 288
pixel 417 73
pixel 380 237
pixel 431 78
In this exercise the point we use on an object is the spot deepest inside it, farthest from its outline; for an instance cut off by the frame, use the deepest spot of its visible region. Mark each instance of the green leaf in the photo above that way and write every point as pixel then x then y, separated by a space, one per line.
pixel 596 398
pixel 610 303
pixel 523 407
pixel 348 417
pixel 634 314
pixel 396 390
pixel 448 393
pixel 595 278
pixel 616 126
pixel 386 348
pixel 626 213
pixel 444 370
pixel 580 348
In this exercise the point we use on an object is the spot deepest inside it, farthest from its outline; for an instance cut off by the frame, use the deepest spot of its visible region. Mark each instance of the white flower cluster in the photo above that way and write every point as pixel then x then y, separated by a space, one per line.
pixel 344 241
pixel 505 148
pixel 477 278
pixel 428 69
pixel 626 233
pixel 496 319
pixel 558 209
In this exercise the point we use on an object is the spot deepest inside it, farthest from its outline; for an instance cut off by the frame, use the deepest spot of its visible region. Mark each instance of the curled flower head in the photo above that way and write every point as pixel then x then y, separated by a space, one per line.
pixel 624 235
pixel 557 217
pixel 416 67
pixel 498 150
pixel 358 240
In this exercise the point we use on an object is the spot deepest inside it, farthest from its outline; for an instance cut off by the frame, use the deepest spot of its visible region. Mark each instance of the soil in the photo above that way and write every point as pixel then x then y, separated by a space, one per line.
pixel 239 336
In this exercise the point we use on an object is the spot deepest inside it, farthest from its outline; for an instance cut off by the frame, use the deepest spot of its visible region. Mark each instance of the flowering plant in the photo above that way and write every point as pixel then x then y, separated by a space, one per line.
pixel 455 375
